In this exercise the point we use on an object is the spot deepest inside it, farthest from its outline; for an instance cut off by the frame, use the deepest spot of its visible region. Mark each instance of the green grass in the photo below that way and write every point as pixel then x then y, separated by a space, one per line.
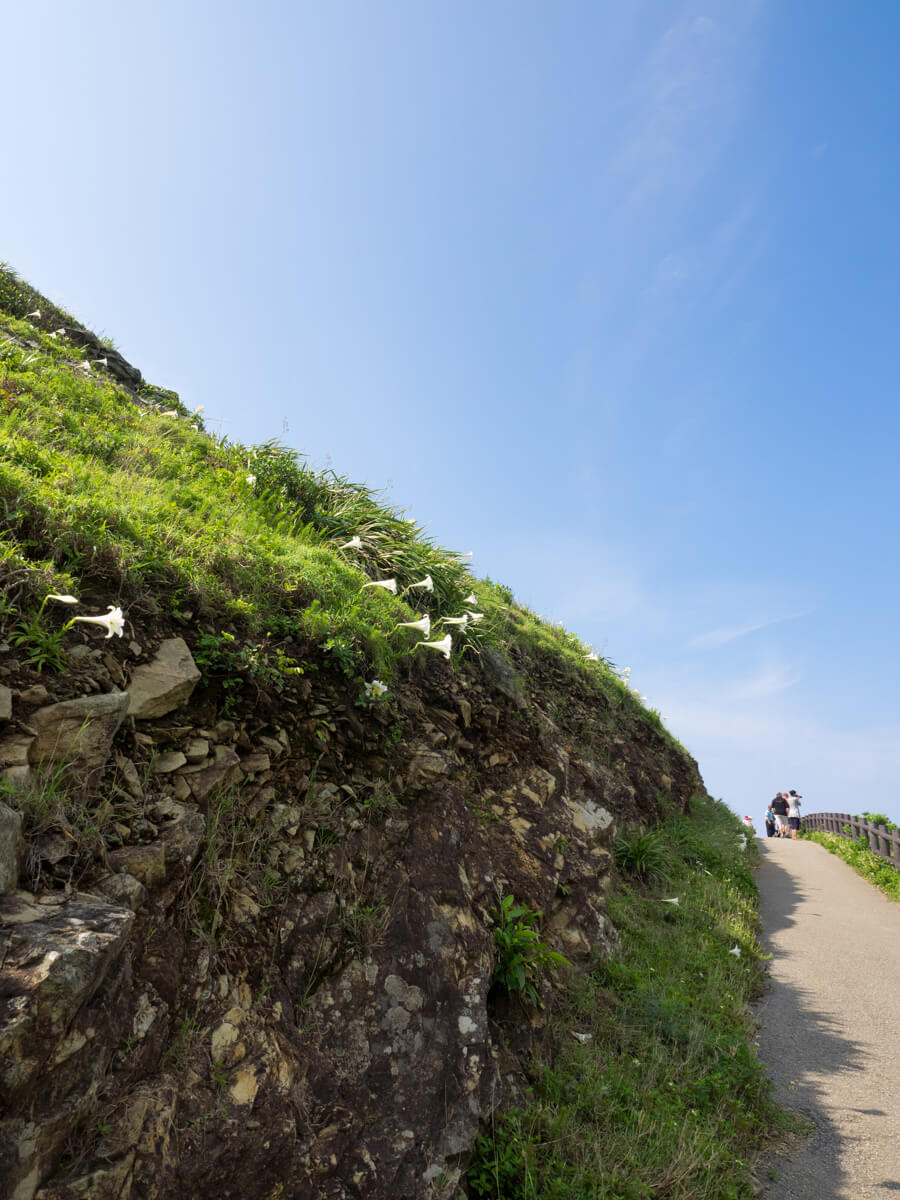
pixel 664 1096
pixel 864 861
pixel 126 499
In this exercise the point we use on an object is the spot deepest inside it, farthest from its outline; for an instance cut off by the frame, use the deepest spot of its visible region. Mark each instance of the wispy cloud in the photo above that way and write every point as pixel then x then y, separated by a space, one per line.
pixel 682 104
pixel 721 637
pixel 773 677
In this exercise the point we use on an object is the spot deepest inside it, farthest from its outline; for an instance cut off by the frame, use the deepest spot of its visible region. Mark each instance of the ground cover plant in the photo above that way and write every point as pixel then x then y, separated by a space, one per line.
pixel 652 1087
pixel 864 861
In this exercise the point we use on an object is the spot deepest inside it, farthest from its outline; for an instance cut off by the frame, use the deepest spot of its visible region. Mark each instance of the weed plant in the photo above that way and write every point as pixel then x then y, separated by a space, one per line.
pixel 233 859
pixel 55 804
pixel 864 861
pixel 521 958
pixel 644 856
pixel 660 1094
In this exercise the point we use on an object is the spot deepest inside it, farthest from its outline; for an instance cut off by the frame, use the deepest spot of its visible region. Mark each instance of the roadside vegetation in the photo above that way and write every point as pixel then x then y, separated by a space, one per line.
pixel 651 1086
pixel 864 861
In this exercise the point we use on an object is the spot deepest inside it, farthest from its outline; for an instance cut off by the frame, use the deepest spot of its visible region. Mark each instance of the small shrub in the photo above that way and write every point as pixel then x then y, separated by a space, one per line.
pixel 521 956
pixel 880 819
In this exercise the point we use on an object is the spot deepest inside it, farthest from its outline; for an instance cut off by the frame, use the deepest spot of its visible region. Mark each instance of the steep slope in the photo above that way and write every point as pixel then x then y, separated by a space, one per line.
pixel 248 934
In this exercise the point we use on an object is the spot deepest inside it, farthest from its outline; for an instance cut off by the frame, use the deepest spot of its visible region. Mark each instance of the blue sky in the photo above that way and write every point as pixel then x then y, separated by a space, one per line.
pixel 604 292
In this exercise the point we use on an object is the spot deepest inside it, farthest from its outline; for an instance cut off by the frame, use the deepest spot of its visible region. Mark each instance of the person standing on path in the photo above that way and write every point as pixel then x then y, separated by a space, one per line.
pixel 793 802
pixel 770 821
pixel 780 809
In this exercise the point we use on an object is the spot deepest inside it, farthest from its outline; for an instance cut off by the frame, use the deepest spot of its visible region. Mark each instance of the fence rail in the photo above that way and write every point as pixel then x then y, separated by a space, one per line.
pixel 880 841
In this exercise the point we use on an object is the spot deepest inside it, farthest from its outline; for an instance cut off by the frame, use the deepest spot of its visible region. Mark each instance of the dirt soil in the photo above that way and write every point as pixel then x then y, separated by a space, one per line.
pixel 829 1024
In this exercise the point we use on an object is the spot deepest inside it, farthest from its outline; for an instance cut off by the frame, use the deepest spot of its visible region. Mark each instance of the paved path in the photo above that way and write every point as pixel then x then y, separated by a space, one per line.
pixel 830 1023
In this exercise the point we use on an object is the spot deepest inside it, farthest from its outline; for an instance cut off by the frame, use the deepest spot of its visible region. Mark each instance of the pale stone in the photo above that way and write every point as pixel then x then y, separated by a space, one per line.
pixel 130 775
pixel 14 749
pixel 158 687
pixel 196 750
pixel 78 732
pixel 222 1037
pixel 255 763
pixel 169 761
pixel 590 817
pixel 222 772
pixel 5 702
pixel 11 847
pixel 426 766
pixel 520 827
pixel 274 747
pixel 245 1087
pixel 181 788
pixel 146 863
pixel 124 889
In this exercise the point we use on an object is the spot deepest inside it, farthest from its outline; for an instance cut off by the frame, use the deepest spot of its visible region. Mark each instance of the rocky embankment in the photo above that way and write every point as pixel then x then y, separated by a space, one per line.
pixel 251 955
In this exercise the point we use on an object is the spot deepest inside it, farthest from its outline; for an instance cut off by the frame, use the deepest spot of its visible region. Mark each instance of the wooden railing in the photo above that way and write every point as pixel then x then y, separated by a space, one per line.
pixel 880 841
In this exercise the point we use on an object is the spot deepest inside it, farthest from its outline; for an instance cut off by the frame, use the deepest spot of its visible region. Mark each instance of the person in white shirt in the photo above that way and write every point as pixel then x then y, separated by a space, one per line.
pixel 793 812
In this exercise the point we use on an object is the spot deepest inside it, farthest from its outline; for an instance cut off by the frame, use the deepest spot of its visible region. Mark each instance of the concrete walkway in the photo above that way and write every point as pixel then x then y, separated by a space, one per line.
pixel 830 1024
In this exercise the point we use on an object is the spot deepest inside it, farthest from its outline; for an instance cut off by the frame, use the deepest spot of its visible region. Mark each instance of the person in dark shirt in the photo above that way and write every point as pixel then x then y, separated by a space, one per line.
pixel 780 809
pixel 770 821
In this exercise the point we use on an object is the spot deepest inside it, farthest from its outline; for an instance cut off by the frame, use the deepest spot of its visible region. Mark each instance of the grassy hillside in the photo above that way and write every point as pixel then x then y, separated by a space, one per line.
pixel 642 1078
pixel 118 494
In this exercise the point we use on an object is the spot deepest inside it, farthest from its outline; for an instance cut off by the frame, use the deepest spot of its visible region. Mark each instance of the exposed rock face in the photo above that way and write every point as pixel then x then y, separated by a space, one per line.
pixel 276 978
pixel 55 1025
pixel 165 683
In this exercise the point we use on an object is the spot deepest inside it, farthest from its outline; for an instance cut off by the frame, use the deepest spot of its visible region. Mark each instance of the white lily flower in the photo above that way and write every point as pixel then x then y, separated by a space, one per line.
pixel 375 689
pixel 170 412
pixel 673 900
pixel 474 617
pixel 471 599
pixel 423 624
pixel 462 622
pixel 63 599
pixel 355 543
pixel 251 479
pixel 593 656
pixel 735 950
pixel 199 410
pixel 427 583
pixel 36 313
pixel 113 621
pixel 389 585
pixel 444 646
